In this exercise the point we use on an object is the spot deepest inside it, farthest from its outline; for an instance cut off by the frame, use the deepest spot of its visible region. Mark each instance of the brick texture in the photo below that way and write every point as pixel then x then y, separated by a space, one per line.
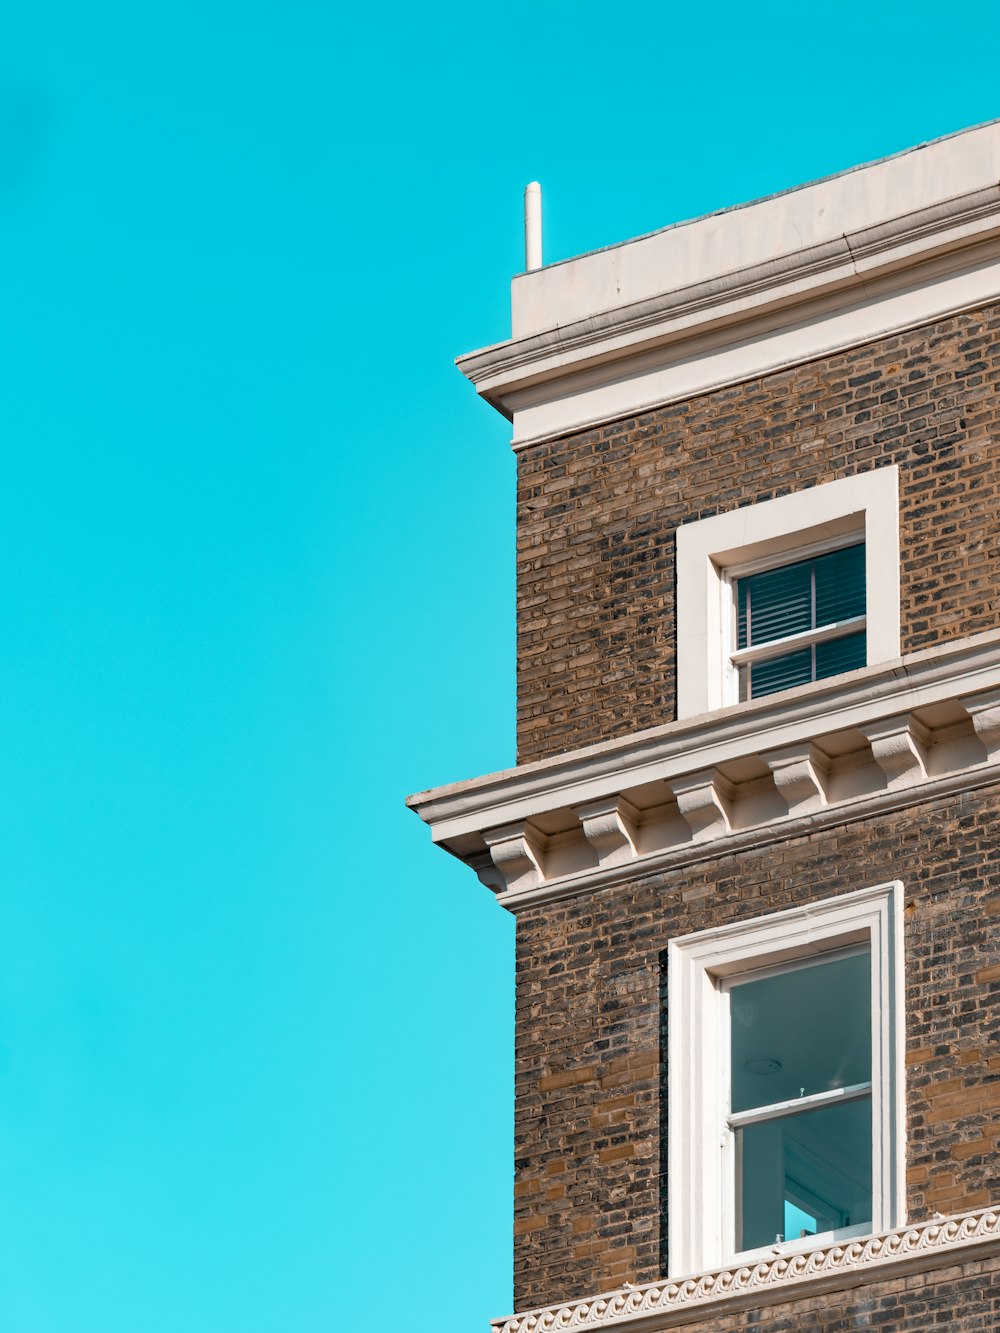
pixel 597 512
pixel 591 1115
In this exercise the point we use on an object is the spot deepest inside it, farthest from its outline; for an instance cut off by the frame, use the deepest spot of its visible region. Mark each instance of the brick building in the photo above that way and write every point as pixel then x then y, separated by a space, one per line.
pixel 751 840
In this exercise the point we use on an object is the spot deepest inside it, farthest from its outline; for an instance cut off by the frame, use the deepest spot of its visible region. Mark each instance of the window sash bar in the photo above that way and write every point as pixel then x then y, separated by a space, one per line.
pixel 776 647
pixel 816 1099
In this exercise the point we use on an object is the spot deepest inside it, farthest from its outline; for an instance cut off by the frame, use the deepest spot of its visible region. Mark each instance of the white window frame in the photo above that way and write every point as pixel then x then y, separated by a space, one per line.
pixel 712 551
pixel 701 1171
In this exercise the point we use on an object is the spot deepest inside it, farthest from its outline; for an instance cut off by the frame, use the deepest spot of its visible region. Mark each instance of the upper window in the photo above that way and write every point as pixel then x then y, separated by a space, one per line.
pixel 791 590
pixel 800 622
pixel 785 1102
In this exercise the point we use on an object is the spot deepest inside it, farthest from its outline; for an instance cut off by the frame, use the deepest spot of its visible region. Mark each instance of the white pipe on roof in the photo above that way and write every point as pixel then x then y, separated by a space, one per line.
pixel 532 226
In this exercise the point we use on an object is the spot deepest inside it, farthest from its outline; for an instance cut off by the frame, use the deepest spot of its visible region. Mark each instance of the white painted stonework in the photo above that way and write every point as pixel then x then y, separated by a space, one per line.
pixel 750 290
pixel 758 233
pixel 954 1240
pixel 797 761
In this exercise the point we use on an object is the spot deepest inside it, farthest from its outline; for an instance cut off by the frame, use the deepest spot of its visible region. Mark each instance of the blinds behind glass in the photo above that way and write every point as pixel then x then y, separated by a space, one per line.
pixel 804 597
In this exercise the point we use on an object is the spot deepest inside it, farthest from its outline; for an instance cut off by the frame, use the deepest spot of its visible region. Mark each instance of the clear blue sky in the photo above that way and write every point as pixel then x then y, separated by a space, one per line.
pixel 256 540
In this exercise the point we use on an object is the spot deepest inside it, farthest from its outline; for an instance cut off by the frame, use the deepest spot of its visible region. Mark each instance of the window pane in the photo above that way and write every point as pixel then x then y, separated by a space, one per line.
pixel 818 1164
pixel 780 602
pixel 840 585
pixel 781 673
pixel 803 1031
pixel 798 1223
pixel 837 655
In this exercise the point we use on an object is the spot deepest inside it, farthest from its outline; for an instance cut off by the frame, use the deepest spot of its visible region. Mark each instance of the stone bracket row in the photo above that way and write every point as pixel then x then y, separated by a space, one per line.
pixel 705 799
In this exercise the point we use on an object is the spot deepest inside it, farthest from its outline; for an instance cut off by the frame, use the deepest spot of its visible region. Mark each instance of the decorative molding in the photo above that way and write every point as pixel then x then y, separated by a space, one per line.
pixel 873 740
pixel 782 280
pixel 610 827
pixel 657 1305
pixel 984 709
pixel 705 802
pixel 516 854
pixel 756 342
pixel 800 776
pixel 757 333
pixel 899 746
pixel 926 230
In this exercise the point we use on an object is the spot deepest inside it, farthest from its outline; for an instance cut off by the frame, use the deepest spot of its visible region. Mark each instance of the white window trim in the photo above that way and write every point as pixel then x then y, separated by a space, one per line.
pixel 712 550
pixel 699 1209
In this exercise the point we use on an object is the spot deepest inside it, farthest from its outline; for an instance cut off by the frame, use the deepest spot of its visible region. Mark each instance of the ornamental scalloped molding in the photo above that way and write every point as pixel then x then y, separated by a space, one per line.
pixel 664 1304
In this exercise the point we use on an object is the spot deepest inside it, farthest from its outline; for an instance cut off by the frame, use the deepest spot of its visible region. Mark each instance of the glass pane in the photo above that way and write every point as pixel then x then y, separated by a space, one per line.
pixel 837 655
pixel 814 1167
pixel 798 1223
pixel 803 1031
pixel 779 602
pixel 781 673
pixel 840 585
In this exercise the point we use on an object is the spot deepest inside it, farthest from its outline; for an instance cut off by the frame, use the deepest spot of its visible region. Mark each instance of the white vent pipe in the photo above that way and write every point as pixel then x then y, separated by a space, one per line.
pixel 532 226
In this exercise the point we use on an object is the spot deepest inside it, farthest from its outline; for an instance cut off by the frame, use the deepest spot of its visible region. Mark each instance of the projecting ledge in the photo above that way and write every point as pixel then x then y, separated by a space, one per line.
pixel 960 1239
pixel 867 741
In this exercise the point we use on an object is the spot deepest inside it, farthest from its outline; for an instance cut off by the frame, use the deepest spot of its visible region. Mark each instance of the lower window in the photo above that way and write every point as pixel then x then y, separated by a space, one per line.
pixel 785 1080
pixel 800 1099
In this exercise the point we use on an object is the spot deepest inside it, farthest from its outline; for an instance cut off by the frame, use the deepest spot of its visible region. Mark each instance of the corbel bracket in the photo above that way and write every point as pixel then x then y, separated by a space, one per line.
pixel 800 775
pixel 705 803
pixel 899 747
pixel 610 826
pixel 517 854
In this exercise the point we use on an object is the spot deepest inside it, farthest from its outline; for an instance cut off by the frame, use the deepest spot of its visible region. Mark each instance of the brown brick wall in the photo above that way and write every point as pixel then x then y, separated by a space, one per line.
pixel 597 513
pixel 590 1123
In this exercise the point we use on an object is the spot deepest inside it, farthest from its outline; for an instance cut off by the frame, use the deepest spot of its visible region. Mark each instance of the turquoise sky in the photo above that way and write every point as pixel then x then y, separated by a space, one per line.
pixel 256 543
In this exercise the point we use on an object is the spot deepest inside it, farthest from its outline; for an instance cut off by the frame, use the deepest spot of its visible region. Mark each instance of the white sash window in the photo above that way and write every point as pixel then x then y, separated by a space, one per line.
pixel 785 1098
pixel 800 622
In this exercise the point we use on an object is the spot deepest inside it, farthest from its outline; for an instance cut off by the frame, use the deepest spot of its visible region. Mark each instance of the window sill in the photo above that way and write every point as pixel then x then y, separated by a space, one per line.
pixel 787 1248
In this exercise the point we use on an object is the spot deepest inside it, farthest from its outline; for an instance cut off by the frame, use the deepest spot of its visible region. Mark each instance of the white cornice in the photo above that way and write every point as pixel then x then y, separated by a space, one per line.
pixel 721 299
pixel 960 1239
pixel 924 233
pixel 792 321
pixel 875 739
